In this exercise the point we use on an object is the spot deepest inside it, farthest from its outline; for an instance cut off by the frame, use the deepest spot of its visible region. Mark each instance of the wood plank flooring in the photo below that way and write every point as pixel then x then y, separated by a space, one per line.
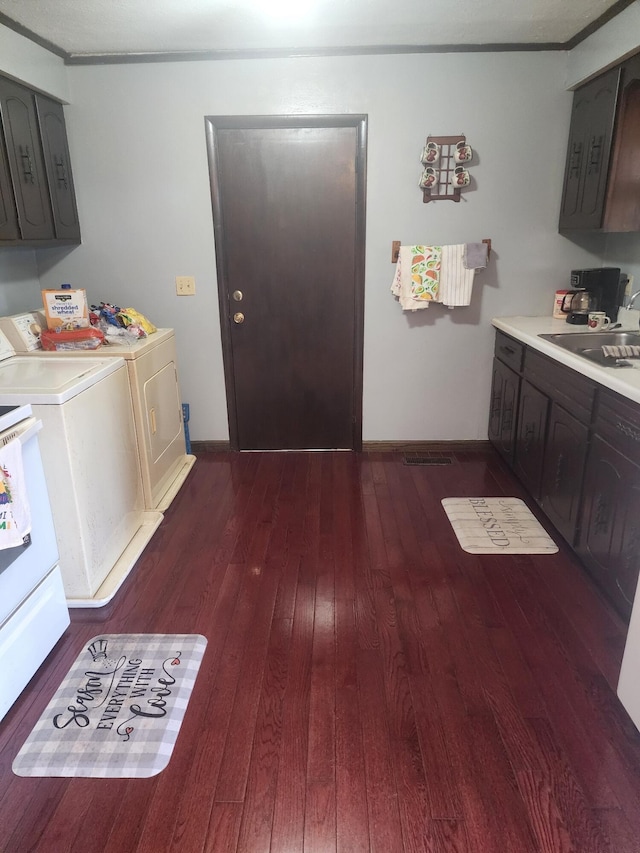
pixel 367 685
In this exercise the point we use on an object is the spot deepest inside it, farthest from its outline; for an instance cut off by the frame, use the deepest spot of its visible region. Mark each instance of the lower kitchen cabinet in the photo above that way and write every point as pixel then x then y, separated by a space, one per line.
pixel 610 538
pixel 505 391
pixel 609 542
pixel 577 451
pixel 564 462
pixel 532 431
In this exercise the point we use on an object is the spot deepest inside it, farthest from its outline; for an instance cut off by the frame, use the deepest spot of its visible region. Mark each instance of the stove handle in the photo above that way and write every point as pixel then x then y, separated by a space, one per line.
pixel 24 431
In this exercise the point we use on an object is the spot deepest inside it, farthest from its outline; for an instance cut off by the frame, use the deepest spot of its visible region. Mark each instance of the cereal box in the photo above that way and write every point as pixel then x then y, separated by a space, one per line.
pixel 66 309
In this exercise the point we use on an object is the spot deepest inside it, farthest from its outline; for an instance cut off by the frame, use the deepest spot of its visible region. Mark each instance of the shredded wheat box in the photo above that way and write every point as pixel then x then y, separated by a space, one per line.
pixel 66 309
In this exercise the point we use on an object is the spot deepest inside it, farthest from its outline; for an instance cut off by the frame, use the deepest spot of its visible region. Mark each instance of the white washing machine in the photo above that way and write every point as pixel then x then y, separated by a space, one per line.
pixel 90 460
pixel 155 398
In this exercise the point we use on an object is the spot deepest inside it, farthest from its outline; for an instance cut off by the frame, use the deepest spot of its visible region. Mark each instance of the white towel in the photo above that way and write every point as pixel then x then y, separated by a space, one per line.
pixel 622 351
pixel 15 514
pixel 456 280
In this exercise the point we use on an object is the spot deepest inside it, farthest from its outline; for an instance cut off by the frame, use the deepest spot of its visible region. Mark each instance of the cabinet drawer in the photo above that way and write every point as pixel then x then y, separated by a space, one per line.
pixel 509 351
pixel 562 384
pixel 618 421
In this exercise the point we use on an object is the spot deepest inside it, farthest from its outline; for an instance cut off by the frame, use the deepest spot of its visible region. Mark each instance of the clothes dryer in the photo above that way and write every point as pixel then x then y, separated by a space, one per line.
pixel 152 369
pixel 154 389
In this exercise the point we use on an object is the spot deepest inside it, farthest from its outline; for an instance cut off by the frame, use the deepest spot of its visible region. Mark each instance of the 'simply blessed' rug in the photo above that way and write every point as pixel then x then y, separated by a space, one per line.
pixel 497 526
pixel 118 711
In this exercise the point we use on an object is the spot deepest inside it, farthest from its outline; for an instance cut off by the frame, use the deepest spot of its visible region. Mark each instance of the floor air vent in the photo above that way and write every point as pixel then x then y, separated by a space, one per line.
pixel 425 459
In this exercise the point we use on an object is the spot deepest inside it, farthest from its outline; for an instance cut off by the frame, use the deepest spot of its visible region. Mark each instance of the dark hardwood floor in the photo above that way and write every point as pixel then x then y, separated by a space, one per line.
pixel 367 685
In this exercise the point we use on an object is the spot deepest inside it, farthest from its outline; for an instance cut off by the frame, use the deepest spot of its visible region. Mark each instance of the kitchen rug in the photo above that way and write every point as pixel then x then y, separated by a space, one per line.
pixel 118 712
pixel 497 526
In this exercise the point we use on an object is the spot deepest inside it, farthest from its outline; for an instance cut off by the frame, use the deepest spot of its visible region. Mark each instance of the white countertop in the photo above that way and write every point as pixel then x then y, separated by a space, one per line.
pixel 623 380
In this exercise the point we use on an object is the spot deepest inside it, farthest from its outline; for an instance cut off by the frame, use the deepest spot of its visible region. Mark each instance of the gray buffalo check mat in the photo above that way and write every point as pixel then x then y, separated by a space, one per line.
pixel 119 710
pixel 497 526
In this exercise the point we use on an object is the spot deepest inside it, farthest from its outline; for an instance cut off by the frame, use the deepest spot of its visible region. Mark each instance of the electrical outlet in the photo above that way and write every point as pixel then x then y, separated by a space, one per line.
pixel 185 285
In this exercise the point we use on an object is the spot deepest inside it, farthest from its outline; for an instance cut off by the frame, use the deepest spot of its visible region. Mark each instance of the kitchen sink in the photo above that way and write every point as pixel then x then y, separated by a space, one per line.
pixel 589 344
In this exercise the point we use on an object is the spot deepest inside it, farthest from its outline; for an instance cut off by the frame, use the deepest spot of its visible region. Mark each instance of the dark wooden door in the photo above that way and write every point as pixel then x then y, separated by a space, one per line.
pixel 288 202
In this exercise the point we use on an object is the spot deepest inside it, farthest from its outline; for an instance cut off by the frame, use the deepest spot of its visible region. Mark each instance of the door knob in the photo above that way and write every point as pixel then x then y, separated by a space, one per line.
pixel 237 295
pixel 238 317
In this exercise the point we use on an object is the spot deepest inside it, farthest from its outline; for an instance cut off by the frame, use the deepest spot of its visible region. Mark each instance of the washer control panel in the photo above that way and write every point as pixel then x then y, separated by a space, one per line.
pixel 23 331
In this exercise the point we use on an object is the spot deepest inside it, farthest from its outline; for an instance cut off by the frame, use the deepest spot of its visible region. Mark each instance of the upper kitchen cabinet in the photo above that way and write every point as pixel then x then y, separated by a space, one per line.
pixel 37 204
pixel 622 208
pixel 603 157
pixel 58 168
pixel 590 135
pixel 8 214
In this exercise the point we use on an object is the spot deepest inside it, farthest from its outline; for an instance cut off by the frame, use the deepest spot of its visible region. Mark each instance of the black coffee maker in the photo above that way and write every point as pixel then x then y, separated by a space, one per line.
pixel 606 287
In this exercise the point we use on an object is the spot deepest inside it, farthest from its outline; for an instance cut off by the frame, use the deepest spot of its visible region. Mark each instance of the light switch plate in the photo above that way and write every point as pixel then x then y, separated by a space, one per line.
pixel 185 285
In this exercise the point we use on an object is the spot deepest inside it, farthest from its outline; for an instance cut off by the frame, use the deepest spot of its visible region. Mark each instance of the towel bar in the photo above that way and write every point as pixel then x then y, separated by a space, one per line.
pixel 395 249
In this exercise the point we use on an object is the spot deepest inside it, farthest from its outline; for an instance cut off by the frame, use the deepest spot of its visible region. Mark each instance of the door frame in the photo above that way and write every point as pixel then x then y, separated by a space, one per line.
pixel 359 122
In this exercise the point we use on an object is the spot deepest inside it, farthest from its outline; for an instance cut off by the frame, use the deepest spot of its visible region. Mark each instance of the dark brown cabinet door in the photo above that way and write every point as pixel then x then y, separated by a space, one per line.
pixel 588 154
pixel 610 526
pixel 564 461
pixel 58 167
pixel 531 437
pixel 504 409
pixel 26 162
pixel 8 214
pixel 622 209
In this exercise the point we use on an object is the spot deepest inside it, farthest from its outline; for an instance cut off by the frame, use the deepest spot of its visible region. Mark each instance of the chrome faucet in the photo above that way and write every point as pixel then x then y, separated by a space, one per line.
pixel 633 299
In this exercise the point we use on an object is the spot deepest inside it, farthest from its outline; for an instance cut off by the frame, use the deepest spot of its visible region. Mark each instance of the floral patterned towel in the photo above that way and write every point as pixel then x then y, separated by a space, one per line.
pixel 417 276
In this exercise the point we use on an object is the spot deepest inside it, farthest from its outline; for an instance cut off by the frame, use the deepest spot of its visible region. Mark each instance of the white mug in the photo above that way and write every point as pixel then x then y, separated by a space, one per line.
pixel 598 320
pixel 463 152
pixel 430 154
pixel 429 178
pixel 460 177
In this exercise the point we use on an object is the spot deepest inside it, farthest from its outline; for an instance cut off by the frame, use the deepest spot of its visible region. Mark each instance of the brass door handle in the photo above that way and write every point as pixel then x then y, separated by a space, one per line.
pixel 238 317
pixel 237 295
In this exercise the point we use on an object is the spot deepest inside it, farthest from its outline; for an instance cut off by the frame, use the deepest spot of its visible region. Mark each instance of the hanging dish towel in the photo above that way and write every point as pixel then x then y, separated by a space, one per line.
pixel 476 256
pixel 417 276
pixel 456 280
pixel 15 515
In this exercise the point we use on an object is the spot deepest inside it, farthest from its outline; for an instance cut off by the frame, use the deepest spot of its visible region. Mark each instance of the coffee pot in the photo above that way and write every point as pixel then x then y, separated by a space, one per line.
pixel 576 304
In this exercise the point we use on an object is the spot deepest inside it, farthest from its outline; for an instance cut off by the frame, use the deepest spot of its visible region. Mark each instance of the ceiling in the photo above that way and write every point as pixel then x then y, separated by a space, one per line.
pixel 102 30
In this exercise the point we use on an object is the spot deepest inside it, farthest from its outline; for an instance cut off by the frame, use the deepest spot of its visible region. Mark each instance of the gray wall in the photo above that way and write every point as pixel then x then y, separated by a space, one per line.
pixel 138 148
pixel 19 281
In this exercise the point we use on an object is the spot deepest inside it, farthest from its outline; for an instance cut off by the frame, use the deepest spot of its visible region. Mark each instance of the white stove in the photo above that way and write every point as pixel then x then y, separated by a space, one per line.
pixel 33 611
